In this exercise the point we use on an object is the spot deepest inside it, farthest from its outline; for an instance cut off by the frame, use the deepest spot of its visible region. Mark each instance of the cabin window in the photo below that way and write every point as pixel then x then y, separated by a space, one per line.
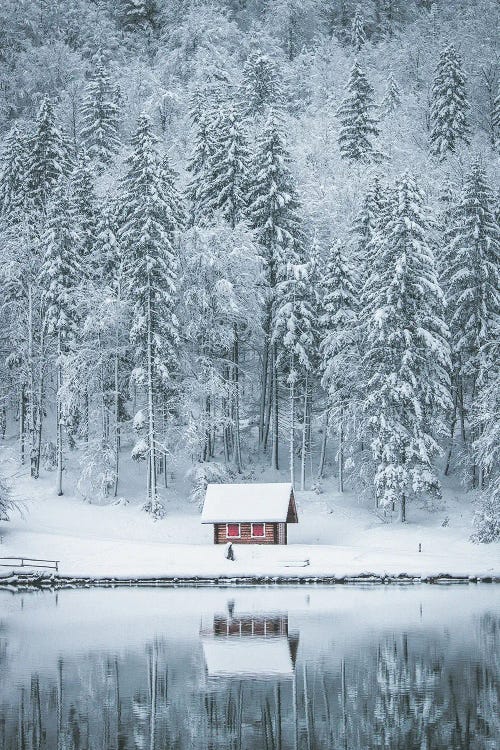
pixel 233 530
pixel 258 530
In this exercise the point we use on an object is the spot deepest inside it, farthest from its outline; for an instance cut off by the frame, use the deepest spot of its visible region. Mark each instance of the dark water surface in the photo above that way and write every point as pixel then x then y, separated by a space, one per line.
pixel 251 669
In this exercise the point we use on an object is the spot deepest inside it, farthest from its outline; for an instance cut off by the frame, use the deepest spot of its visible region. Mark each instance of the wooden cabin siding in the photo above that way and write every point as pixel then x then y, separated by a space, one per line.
pixel 246 537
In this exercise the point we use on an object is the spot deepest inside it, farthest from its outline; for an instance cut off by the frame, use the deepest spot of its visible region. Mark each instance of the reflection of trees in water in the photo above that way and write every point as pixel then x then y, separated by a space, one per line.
pixel 399 695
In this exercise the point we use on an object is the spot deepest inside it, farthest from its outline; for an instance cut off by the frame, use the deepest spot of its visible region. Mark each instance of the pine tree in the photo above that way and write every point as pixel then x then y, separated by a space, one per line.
pixel 85 202
pixel 495 119
pixel 225 187
pixel 6 503
pixel 202 119
pixel 274 214
pixel 100 131
pixel 358 36
pixel 48 158
pixel 392 99
pixel 448 114
pixel 338 344
pixel 406 358
pixel 13 177
pixel 293 335
pixel 61 273
pixel 356 122
pixel 150 273
pixel 261 88
pixel 138 14
pixel 471 278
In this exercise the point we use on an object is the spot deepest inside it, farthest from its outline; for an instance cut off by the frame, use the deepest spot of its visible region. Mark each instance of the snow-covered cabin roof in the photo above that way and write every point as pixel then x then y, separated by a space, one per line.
pixel 244 503
pixel 249 657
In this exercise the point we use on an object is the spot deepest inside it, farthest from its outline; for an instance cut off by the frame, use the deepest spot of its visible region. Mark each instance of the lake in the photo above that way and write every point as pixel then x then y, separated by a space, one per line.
pixel 304 667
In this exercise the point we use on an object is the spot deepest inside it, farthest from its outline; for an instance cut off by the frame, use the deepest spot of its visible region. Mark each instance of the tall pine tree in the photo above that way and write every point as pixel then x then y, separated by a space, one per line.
pixel 150 265
pixel 406 354
pixel 448 115
pixel 48 158
pixel 100 131
pixel 357 124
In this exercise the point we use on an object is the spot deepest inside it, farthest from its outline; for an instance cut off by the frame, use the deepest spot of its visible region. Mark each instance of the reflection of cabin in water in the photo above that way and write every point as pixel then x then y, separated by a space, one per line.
pixel 250 513
pixel 249 645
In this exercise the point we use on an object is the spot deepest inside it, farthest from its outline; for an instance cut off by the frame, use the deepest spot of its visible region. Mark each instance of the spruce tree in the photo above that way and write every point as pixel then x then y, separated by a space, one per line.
pixel 61 274
pixel 150 274
pixel 48 157
pixel 338 345
pixel 392 99
pixel 86 208
pixel 274 215
pixel 100 131
pixel 202 119
pixel 138 14
pixel 225 188
pixel 405 354
pixel 358 36
pixel 357 124
pixel 262 85
pixel 448 114
pixel 13 175
pixel 471 278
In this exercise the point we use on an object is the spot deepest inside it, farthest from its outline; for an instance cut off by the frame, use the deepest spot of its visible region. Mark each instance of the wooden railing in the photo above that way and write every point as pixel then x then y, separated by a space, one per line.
pixel 28 562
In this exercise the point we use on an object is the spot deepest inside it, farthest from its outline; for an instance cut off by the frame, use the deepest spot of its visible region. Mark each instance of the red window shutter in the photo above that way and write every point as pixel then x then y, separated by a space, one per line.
pixel 258 529
pixel 233 530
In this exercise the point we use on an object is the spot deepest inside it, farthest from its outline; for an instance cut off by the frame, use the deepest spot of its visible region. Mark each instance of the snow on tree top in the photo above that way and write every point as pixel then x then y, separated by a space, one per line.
pixel 244 503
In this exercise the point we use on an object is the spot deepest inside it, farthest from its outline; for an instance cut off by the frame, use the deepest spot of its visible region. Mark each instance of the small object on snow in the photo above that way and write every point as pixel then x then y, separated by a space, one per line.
pixel 446 521
pixel 229 551
pixel 420 546
pixel 295 563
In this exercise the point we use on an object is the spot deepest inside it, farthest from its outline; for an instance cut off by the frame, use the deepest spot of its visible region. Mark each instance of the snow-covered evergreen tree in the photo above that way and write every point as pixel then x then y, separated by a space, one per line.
pixel 48 156
pixel 85 204
pixel 225 186
pixel 406 354
pixel 101 116
pixel 358 36
pixel 357 123
pixel 150 265
pixel 262 85
pixel 5 500
pixel 471 278
pixel 138 14
pixel 338 346
pixel 294 338
pixel 392 97
pixel 202 121
pixel 13 175
pixel 61 274
pixel 449 106
pixel 274 215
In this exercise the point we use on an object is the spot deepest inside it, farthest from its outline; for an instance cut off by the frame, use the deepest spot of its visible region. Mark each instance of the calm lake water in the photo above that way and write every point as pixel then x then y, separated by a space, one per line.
pixel 244 669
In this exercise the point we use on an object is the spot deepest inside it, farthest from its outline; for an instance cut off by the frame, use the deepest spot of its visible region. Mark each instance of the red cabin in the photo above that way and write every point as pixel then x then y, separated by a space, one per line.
pixel 249 513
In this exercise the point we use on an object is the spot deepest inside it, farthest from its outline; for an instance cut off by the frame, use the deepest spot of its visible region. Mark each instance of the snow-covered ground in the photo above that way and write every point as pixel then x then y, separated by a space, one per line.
pixel 338 535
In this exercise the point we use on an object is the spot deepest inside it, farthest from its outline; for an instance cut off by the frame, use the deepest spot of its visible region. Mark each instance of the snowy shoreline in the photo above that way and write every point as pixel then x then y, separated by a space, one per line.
pixel 38 582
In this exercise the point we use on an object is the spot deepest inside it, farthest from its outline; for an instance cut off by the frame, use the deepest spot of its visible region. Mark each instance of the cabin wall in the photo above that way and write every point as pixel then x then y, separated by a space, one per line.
pixel 246 537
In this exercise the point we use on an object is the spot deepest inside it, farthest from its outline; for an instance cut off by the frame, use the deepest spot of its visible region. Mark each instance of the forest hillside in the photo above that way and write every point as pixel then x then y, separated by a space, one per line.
pixel 251 237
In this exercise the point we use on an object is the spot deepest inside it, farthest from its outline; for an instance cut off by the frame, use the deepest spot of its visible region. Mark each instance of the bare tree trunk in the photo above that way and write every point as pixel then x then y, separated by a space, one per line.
pixel 236 402
pixel 31 387
pixel 402 513
pixel 275 445
pixel 263 396
pixel 324 440
pixel 452 431
pixel 305 427
pixel 39 405
pixel 341 450
pixel 152 493
pixel 59 439
pixel 292 421
pixel 117 425
pixel 22 422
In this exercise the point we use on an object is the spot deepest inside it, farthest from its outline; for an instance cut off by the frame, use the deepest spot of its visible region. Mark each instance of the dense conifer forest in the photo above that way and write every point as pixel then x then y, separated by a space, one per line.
pixel 252 233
